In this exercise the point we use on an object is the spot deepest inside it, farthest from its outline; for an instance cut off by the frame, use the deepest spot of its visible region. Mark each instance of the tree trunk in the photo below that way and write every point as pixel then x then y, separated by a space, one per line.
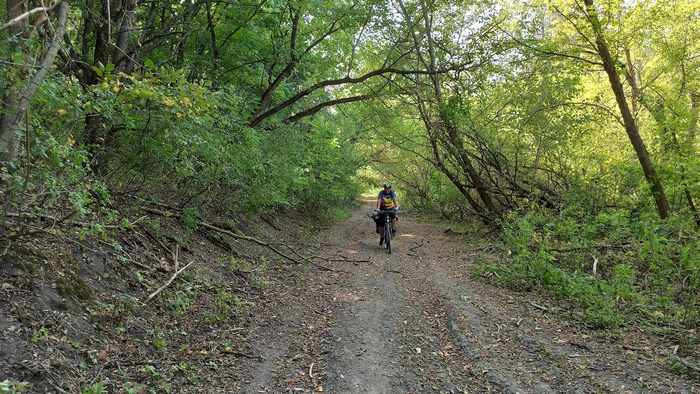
pixel 103 39
pixel 11 91
pixel 628 119
pixel 12 123
pixel 447 123
pixel 95 124
pixel 120 57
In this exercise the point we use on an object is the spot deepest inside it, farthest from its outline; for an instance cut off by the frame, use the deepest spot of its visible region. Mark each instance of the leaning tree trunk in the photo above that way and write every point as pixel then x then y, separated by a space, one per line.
pixel 11 92
pixel 447 123
pixel 658 112
pixel 627 117
pixel 12 124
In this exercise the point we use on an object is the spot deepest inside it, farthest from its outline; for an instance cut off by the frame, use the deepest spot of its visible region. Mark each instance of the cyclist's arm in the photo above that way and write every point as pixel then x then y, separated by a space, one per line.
pixel 379 203
pixel 396 203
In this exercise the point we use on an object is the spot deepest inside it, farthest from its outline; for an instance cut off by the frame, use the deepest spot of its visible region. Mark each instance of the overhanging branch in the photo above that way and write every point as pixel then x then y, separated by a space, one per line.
pixel 319 107
pixel 255 120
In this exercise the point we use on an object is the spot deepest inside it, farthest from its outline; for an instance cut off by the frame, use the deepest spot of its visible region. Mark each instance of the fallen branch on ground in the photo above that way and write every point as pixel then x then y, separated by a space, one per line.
pixel 540 307
pixel 267 245
pixel 635 349
pixel 479 306
pixel 422 242
pixel 343 259
pixel 580 345
pixel 172 278
pixel 270 246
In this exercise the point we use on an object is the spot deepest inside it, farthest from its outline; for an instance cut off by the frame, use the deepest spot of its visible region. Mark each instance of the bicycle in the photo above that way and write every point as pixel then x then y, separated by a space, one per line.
pixel 388 214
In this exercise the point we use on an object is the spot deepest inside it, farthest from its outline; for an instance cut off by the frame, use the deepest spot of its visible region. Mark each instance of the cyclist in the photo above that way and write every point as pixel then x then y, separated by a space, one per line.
pixel 386 201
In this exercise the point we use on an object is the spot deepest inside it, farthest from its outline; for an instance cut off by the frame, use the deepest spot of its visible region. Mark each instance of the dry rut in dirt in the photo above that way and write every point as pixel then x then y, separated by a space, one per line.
pixel 415 321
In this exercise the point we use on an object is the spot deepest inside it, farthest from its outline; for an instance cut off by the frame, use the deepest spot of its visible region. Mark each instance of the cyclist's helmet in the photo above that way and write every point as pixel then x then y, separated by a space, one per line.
pixel 387 185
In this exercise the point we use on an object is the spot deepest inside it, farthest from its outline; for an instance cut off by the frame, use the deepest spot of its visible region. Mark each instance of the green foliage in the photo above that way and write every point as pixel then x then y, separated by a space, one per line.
pixel 228 306
pixel 182 298
pixel 96 388
pixel 644 275
pixel 9 387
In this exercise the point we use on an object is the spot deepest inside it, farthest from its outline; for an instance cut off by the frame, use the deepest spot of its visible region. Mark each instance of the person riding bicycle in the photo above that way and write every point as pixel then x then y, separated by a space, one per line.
pixel 385 202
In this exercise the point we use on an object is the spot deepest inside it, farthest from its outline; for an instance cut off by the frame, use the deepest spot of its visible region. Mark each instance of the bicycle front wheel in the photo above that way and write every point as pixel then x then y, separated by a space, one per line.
pixel 387 238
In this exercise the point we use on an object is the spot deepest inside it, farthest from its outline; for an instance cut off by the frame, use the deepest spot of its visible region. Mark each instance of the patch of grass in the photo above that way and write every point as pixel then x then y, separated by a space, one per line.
pixel 97 388
pixel 182 298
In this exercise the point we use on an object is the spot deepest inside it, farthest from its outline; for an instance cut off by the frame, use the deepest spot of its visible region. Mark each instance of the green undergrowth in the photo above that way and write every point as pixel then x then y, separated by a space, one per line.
pixel 620 268
pixel 191 151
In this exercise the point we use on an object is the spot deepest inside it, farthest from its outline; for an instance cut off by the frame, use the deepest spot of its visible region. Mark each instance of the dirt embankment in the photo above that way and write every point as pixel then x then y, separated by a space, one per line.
pixel 357 320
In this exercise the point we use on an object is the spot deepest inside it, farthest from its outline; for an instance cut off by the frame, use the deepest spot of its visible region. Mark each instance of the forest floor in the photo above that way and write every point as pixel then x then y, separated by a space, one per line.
pixel 356 320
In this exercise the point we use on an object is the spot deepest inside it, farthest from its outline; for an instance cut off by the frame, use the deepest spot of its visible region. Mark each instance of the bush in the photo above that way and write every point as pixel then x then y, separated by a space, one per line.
pixel 642 273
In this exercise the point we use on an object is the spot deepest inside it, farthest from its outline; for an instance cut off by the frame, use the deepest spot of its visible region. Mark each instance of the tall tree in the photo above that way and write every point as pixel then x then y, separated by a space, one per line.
pixel 433 105
pixel 611 69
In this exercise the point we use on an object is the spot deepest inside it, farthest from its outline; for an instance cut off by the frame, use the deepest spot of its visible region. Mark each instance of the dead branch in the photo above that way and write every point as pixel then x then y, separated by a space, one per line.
pixel 595 265
pixel 540 307
pixel 343 259
pixel 580 345
pixel 169 282
pixel 177 272
pixel 270 246
pixel 57 220
pixel 479 306
pixel 635 349
pixel 136 263
pixel 422 242
pixel 269 220
pixel 27 14
pixel 249 239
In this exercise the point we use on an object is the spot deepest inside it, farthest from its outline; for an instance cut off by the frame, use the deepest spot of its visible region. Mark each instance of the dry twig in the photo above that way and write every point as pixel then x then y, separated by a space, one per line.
pixel 177 272
pixel 479 306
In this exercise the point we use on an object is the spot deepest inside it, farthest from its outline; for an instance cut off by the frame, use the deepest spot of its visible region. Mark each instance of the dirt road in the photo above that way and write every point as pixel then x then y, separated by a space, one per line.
pixel 415 321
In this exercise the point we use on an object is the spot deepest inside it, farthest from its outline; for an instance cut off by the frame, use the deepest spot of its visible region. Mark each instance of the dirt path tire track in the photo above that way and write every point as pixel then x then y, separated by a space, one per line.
pixel 414 321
